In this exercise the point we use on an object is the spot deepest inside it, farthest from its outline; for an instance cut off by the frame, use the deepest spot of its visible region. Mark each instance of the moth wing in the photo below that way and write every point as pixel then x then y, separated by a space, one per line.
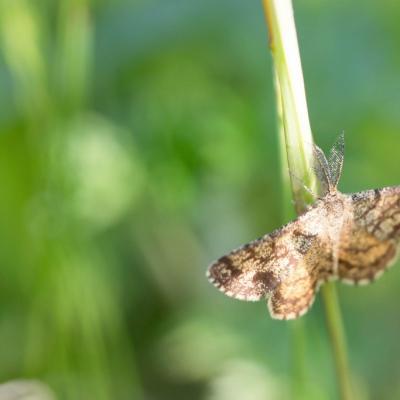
pixel 296 293
pixel 249 272
pixel 370 240
pixel 286 265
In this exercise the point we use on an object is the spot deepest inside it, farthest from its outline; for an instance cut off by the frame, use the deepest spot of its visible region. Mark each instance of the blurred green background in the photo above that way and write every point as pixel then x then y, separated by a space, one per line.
pixel 137 144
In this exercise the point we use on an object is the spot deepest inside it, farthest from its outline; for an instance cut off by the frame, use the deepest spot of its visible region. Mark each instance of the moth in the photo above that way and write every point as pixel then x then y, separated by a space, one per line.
pixel 350 237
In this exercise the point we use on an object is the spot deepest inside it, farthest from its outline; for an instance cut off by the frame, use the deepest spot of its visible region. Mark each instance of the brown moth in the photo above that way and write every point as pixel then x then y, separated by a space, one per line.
pixel 350 237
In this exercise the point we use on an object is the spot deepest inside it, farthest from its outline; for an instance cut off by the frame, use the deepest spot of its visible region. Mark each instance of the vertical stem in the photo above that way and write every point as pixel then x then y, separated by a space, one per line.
pixel 297 328
pixel 338 339
pixel 296 139
pixel 296 126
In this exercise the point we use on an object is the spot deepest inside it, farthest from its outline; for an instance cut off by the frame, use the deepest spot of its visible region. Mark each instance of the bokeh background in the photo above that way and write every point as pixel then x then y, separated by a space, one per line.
pixel 137 144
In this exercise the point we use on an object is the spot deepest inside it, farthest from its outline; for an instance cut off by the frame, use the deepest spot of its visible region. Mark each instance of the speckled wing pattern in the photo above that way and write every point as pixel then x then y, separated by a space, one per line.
pixel 353 238
pixel 287 266
pixel 370 241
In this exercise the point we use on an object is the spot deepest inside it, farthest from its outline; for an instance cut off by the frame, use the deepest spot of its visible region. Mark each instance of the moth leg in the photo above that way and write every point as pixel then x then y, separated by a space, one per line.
pixel 303 185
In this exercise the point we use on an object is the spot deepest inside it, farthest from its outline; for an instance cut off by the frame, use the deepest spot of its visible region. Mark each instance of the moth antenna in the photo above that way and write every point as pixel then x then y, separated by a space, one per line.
pixel 335 159
pixel 322 169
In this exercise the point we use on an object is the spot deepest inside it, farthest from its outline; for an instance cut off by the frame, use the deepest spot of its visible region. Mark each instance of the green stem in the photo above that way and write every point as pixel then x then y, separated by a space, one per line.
pixel 297 142
pixel 299 374
pixel 337 338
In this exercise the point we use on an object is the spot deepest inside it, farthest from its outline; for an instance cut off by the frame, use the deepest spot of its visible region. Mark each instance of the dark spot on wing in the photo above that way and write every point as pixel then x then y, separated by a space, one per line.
pixel 265 279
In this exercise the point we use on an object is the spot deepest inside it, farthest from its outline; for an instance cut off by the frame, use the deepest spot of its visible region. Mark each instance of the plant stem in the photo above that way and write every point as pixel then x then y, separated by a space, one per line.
pixel 298 343
pixel 296 139
pixel 337 338
pixel 296 126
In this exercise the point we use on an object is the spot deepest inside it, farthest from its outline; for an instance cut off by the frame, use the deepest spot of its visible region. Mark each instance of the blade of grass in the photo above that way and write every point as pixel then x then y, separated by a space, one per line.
pixel 297 141
pixel 338 339
pixel 299 377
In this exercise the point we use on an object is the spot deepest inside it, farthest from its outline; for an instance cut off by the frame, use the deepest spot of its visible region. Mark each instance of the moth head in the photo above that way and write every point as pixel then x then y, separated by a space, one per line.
pixel 329 169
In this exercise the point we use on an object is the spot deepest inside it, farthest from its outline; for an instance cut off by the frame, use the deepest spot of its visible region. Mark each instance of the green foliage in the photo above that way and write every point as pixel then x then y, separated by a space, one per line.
pixel 137 143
